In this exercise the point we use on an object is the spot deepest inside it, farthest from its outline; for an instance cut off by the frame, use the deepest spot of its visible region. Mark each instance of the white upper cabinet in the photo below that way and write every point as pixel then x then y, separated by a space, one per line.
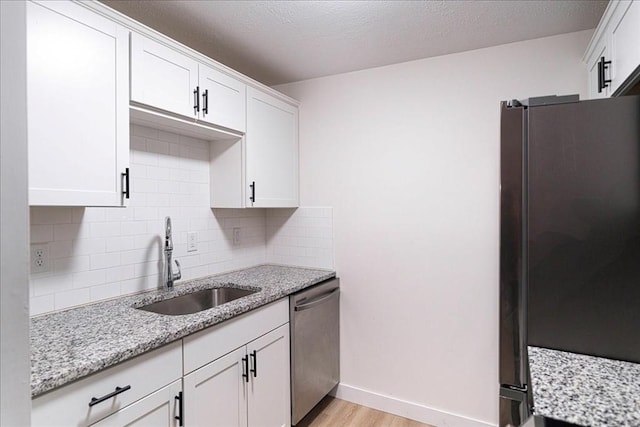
pixel 77 106
pixel 597 69
pixel 613 55
pixel 162 77
pixel 223 99
pixel 168 80
pixel 625 42
pixel 271 151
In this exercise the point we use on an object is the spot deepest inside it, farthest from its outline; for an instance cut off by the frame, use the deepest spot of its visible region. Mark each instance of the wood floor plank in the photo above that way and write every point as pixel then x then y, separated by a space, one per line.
pixel 332 412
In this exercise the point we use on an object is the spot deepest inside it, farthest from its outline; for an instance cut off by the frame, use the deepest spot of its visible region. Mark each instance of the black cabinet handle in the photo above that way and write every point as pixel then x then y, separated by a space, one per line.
pixel 603 66
pixel 205 102
pixel 254 356
pixel 125 184
pixel 180 409
pixel 196 99
pixel 118 390
pixel 245 368
pixel 600 72
pixel 253 192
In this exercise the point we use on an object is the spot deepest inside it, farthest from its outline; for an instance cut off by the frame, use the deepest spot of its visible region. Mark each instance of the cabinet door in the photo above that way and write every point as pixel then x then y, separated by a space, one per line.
pixel 77 106
pixel 594 64
pixel 271 151
pixel 216 394
pixel 269 395
pixel 162 77
pixel 156 410
pixel 625 43
pixel 223 99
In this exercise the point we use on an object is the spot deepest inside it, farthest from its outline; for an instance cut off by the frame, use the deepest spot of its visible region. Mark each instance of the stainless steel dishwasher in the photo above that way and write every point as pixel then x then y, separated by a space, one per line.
pixel 315 345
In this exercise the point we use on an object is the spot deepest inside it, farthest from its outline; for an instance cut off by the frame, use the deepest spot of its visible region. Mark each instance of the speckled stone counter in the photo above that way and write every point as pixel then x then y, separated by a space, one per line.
pixel 71 344
pixel 585 390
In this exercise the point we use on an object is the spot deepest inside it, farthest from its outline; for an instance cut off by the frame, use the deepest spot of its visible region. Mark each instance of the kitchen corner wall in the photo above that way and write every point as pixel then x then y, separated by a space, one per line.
pixel 101 253
pixel 408 156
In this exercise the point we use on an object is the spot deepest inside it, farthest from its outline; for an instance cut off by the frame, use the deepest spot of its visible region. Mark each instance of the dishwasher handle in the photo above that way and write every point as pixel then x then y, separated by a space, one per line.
pixel 316 301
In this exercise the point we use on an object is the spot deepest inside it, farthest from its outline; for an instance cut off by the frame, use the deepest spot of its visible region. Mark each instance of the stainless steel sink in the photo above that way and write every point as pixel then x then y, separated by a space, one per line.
pixel 197 301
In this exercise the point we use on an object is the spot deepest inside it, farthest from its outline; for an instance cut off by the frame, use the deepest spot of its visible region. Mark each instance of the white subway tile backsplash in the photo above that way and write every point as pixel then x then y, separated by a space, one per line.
pixel 105 229
pixel 137 143
pixel 106 291
pixel 71 264
pixel 302 237
pixel 72 298
pixel 101 253
pixel 41 233
pixel 41 304
pixel 60 249
pixel 107 260
pixel 49 285
pixel 51 215
pixel 144 131
pixel 89 278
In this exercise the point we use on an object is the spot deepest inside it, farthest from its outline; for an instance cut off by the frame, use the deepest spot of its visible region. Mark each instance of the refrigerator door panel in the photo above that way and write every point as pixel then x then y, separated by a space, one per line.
pixel 512 350
pixel 584 227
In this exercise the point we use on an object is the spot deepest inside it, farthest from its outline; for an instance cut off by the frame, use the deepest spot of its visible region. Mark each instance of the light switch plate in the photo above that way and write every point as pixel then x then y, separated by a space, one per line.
pixel 192 241
pixel 236 236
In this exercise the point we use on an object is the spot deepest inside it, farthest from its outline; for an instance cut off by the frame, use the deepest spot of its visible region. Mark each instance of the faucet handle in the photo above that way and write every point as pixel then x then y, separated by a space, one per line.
pixel 178 275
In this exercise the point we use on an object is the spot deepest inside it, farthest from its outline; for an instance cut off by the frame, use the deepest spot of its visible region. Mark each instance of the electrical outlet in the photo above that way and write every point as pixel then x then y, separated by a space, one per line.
pixel 192 241
pixel 39 258
pixel 236 236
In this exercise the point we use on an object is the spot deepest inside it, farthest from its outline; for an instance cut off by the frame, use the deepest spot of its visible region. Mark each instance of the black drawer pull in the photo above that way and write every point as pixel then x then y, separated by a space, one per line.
pixel 96 400
pixel 253 192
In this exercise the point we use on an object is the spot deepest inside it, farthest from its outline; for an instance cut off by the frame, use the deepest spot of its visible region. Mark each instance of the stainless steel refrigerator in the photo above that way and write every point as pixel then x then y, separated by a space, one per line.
pixel 569 235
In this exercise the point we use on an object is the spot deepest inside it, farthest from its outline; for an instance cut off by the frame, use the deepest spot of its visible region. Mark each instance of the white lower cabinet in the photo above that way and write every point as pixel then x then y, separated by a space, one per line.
pixel 216 395
pixel 232 374
pixel 94 398
pixel 247 387
pixel 237 373
pixel 269 402
pixel 159 409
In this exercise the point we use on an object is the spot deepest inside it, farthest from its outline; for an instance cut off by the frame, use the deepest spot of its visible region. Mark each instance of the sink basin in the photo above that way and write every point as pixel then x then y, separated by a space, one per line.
pixel 197 301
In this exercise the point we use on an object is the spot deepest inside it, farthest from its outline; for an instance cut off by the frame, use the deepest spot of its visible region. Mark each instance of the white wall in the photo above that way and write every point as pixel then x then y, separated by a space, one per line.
pixel 15 403
pixel 408 156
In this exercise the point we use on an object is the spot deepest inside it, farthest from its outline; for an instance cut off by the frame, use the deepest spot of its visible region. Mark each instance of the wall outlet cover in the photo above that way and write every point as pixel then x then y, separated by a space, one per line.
pixel 39 258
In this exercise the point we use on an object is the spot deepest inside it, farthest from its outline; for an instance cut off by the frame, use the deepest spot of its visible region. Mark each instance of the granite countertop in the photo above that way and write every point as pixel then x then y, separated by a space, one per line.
pixel 71 344
pixel 585 390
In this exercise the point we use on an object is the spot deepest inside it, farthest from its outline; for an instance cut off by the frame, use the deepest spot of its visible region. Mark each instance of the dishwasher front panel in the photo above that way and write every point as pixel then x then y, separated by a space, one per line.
pixel 315 345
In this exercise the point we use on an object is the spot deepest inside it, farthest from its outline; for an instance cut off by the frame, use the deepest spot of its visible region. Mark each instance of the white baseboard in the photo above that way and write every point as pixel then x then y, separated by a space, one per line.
pixel 403 408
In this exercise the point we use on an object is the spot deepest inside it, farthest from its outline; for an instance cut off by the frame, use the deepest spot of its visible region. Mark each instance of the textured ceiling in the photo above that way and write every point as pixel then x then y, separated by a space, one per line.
pixel 284 41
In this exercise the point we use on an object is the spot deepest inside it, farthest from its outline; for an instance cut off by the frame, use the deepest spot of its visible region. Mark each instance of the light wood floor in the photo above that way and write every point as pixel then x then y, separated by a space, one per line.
pixel 332 412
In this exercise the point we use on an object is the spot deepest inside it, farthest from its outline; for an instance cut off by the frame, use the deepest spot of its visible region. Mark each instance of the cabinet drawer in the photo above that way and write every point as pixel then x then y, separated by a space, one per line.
pixel 212 343
pixel 69 405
